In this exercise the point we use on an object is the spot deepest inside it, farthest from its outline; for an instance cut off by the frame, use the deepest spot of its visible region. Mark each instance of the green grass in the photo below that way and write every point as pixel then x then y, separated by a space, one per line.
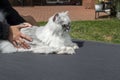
pixel 98 30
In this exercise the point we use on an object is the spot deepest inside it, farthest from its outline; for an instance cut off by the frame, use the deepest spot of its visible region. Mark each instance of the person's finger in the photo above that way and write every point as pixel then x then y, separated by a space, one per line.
pixel 26 37
pixel 21 26
pixel 24 25
pixel 27 24
pixel 24 44
pixel 16 44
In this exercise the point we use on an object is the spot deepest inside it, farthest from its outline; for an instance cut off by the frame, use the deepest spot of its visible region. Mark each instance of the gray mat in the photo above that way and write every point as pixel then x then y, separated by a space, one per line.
pixel 93 61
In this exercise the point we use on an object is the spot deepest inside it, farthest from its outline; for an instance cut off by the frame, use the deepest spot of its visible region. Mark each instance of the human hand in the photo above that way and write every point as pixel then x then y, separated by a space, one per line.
pixel 17 38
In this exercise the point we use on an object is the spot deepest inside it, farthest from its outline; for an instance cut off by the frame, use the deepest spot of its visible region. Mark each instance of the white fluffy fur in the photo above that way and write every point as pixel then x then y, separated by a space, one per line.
pixel 51 38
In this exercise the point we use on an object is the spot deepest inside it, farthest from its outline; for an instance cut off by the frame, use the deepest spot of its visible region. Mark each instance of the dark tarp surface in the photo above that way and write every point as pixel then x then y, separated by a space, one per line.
pixel 93 61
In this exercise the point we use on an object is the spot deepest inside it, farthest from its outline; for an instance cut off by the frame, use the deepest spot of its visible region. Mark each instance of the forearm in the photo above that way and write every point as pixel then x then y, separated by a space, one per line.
pixel 4 31
pixel 12 16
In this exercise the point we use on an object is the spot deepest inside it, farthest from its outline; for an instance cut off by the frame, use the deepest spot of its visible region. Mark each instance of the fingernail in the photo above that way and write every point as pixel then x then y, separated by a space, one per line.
pixel 31 40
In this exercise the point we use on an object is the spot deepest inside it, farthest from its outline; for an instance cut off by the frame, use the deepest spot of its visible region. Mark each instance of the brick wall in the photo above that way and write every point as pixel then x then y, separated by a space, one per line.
pixel 88 4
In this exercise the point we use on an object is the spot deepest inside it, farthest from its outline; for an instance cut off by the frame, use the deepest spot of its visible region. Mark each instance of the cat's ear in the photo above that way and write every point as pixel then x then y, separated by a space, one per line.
pixel 66 12
pixel 55 17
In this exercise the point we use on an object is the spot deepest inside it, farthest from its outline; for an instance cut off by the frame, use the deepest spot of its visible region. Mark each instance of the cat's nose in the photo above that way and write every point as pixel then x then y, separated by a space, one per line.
pixel 66 27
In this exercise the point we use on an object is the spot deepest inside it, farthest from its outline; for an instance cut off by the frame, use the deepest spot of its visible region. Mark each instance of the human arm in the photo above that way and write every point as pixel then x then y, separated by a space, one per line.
pixel 14 20
pixel 12 16
pixel 13 34
pixel 4 31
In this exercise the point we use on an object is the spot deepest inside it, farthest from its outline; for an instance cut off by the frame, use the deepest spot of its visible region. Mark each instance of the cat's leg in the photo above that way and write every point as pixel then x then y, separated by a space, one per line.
pixel 66 50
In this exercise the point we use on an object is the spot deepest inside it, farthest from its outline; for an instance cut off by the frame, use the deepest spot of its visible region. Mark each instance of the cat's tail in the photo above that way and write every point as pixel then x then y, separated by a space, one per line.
pixel 6 47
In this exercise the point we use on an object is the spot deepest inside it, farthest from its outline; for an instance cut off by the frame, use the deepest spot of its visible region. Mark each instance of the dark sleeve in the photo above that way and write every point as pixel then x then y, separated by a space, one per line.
pixel 12 16
pixel 4 31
